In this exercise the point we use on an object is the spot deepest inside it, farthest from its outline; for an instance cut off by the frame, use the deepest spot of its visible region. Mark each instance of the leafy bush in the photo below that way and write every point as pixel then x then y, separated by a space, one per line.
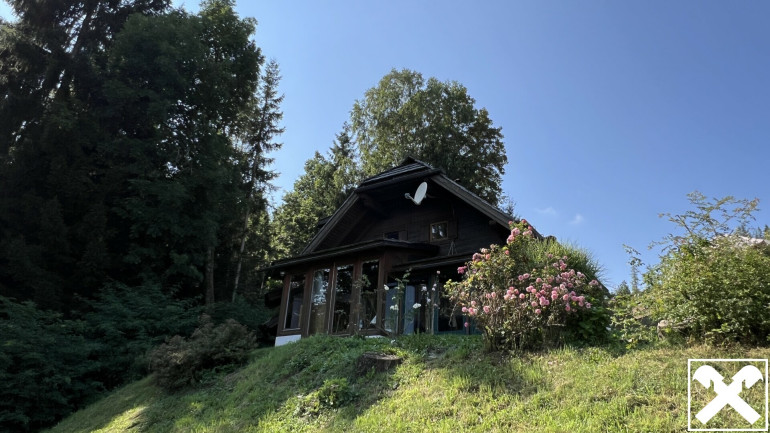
pixel 243 311
pixel 711 284
pixel 129 322
pixel 521 295
pixel 180 362
pixel 632 322
pixel 45 366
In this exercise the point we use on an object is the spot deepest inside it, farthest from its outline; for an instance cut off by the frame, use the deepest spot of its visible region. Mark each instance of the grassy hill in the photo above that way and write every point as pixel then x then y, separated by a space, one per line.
pixel 445 384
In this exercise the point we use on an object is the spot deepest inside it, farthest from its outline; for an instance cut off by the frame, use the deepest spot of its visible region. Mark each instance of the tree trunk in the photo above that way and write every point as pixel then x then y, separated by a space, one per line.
pixel 210 277
pixel 240 253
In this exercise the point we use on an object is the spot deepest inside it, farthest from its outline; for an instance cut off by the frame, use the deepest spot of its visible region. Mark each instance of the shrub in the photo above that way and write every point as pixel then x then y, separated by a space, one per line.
pixel 45 366
pixel 523 296
pixel 711 284
pixel 180 361
pixel 129 322
pixel 716 291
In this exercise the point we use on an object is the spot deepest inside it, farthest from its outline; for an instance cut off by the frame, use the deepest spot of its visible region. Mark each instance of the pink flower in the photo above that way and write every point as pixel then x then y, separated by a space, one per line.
pixel 467 324
pixel 510 239
pixel 566 297
pixel 477 257
pixel 538 280
pixel 461 270
pixel 522 296
pixel 487 256
pixel 554 295
pixel 487 309
pixel 507 253
pixel 473 303
pixel 515 291
pixel 465 309
pixel 534 304
pixel 588 305
pixel 594 283
pixel 537 311
pixel 526 276
pixel 493 295
pixel 530 289
pixel 543 301
pixel 515 231
pixel 567 308
pixel 527 232
pixel 524 222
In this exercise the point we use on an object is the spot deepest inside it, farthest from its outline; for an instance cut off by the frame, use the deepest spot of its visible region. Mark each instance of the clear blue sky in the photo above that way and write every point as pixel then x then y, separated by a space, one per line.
pixel 612 111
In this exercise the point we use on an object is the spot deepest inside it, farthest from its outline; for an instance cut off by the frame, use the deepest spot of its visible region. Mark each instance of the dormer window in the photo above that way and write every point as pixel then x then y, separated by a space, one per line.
pixel 438 231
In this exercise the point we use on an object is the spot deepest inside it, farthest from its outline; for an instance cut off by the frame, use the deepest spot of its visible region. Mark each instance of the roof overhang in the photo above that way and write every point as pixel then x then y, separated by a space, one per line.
pixel 359 248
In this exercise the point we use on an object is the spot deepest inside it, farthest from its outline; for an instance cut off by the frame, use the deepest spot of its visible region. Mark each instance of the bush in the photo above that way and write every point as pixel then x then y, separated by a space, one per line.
pixel 523 296
pixel 180 361
pixel 711 284
pixel 129 322
pixel 243 311
pixel 46 369
pixel 717 291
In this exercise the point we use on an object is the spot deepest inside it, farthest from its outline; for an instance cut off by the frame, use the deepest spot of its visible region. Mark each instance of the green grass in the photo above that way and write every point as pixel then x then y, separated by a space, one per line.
pixel 445 384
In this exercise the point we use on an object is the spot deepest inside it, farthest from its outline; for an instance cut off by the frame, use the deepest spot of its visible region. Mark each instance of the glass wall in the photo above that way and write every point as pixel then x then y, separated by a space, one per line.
pixel 370 273
pixel 294 305
pixel 343 289
pixel 318 299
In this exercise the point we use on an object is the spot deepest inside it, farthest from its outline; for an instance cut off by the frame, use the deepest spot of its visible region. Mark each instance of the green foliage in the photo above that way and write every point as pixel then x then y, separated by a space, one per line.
pixel 180 362
pixel 128 322
pixel 334 393
pixel 324 186
pixel 528 294
pixel 46 366
pixel 434 121
pixel 249 314
pixel 632 324
pixel 711 285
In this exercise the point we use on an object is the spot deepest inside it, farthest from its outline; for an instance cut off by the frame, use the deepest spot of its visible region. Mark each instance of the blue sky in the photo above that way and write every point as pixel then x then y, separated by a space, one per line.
pixel 611 111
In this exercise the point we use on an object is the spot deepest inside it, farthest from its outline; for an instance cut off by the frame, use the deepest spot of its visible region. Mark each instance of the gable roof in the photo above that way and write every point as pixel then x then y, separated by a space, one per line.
pixel 409 169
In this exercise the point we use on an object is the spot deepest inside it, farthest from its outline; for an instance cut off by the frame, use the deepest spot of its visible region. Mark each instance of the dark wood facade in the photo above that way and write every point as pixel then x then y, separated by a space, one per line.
pixel 338 284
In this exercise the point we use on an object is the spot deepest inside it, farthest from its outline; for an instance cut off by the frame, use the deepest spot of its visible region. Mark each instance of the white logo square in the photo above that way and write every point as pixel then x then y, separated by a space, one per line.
pixel 727 395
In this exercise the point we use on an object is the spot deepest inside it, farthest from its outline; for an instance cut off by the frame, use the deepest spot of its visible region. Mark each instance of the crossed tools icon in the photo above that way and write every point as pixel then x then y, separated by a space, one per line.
pixel 727 394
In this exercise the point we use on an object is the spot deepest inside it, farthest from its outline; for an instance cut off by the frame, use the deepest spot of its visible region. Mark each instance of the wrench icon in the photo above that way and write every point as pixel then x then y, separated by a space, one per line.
pixel 727 394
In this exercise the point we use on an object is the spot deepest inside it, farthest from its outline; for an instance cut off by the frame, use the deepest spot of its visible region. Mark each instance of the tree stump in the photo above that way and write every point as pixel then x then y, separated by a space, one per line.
pixel 378 361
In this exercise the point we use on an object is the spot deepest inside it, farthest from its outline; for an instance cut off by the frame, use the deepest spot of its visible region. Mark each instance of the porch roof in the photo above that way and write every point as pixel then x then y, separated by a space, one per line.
pixel 361 247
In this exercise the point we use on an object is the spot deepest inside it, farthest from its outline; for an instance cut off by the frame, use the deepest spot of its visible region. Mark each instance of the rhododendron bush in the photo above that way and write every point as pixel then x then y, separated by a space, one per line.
pixel 522 295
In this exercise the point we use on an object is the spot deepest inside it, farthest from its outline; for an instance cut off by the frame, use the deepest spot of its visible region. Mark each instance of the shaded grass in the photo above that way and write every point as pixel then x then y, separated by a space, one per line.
pixel 444 384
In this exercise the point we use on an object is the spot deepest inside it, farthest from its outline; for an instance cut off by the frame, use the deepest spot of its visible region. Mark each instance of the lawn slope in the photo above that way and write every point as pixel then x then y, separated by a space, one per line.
pixel 445 384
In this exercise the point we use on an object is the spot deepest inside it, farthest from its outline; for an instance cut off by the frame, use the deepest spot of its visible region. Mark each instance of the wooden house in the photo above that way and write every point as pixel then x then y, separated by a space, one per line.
pixel 344 281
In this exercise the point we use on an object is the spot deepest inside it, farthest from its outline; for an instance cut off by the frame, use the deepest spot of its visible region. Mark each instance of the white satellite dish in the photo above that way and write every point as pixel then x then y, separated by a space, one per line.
pixel 419 195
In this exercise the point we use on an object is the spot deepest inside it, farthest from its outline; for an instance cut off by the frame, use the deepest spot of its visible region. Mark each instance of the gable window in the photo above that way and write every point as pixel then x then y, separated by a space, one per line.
pixel 438 231
pixel 391 235
pixel 294 306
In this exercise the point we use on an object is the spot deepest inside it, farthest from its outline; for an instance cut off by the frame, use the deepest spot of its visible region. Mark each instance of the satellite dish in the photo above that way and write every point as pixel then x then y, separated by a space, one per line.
pixel 419 195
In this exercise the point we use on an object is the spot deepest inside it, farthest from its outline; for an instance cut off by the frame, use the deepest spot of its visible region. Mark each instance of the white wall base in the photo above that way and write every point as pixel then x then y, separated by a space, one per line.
pixel 285 339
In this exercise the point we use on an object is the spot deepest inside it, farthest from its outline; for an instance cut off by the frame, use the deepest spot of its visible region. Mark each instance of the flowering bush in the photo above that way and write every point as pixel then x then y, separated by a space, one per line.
pixel 521 295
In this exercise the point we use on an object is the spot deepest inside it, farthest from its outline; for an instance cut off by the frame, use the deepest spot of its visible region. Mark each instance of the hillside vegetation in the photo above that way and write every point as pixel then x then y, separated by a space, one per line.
pixel 445 384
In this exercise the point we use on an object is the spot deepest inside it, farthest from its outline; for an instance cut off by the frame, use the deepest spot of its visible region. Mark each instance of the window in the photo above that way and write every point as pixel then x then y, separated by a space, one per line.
pixel 391 235
pixel 318 301
pixel 294 306
pixel 369 279
pixel 343 289
pixel 438 231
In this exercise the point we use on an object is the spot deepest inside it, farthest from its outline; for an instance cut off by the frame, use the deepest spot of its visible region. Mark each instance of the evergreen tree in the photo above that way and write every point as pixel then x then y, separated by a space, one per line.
pixel 324 186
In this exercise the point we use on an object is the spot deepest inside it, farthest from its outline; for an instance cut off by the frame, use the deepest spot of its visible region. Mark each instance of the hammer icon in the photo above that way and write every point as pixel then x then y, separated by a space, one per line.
pixel 727 394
